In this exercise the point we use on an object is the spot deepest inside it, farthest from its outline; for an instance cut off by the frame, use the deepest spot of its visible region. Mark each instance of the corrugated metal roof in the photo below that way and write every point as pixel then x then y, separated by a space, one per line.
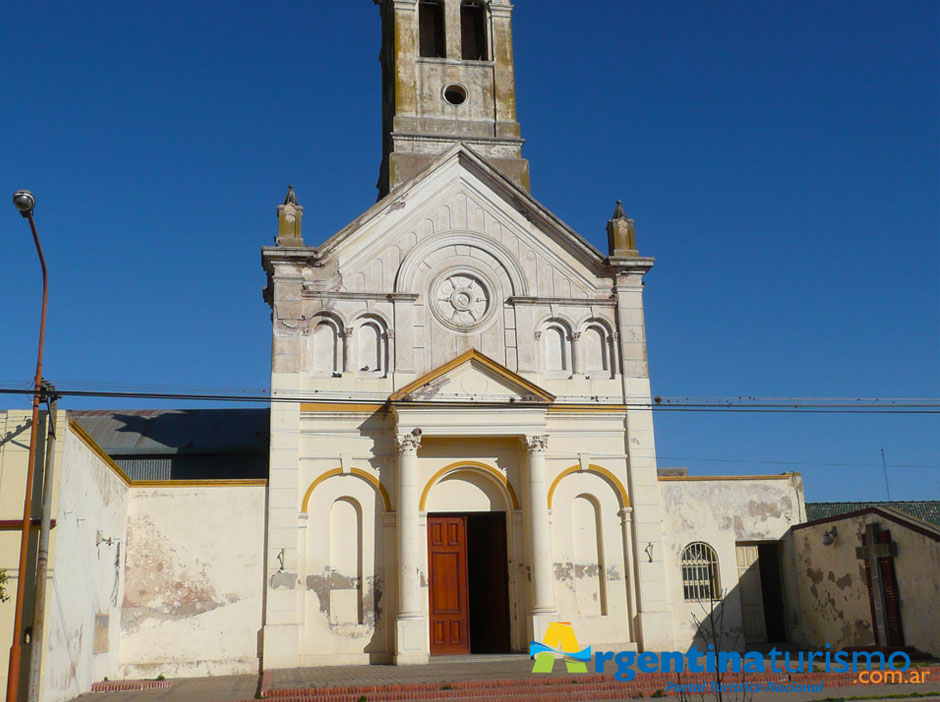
pixel 195 466
pixel 928 510
pixel 158 432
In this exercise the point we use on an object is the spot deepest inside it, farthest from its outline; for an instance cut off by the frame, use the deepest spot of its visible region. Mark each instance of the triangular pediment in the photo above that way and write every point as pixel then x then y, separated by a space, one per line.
pixel 487 188
pixel 472 377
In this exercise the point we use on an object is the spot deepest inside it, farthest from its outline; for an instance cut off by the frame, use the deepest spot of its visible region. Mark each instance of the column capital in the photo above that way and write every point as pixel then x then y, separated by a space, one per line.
pixel 536 444
pixel 409 443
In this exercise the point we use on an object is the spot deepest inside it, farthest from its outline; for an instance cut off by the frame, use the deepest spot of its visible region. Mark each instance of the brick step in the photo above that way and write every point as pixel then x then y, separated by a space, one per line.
pixel 540 688
pixel 517 691
pixel 578 693
pixel 540 684
pixel 130 685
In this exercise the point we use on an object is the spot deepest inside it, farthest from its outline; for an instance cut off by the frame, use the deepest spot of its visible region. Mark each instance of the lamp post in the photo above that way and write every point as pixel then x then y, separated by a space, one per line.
pixel 25 203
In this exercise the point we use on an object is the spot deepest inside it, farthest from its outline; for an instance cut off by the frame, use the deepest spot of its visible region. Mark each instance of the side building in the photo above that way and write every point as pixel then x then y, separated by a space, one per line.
pixel 146 576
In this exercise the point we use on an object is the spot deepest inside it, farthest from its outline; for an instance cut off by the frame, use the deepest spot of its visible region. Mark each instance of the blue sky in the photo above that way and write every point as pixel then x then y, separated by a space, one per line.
pixel 780 159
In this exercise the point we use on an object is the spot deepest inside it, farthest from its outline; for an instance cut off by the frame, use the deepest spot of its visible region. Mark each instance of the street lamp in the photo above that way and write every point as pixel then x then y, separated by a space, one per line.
pixel 25 203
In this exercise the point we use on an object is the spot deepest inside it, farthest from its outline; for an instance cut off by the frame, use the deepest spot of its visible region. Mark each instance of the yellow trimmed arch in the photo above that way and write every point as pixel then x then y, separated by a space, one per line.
pixel 473 466
pixel 601 471
pixel 368 477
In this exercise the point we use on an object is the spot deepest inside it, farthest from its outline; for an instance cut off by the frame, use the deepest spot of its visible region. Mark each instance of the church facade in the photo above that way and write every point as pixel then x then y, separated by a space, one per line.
pixel 462 444
pixel 459 451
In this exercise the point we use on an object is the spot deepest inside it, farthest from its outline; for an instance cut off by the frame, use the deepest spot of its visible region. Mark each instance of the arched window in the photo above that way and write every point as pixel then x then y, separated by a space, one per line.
pixel 473 30
pixel 327 347
pixel 431 28
pixel 699 572
pixel 595 349
pixel 556 353
pixel 371 347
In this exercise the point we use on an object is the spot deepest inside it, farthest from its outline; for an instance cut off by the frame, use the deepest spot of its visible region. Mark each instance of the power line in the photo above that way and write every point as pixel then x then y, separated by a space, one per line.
pixel 828 464
pixel 741 404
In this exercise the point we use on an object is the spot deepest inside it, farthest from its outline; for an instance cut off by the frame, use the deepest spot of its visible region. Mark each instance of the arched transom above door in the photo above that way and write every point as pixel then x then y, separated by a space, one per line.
pixel 489 480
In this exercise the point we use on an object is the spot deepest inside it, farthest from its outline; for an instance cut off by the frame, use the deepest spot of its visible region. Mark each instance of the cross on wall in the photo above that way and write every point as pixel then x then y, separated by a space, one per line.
pixel 877 544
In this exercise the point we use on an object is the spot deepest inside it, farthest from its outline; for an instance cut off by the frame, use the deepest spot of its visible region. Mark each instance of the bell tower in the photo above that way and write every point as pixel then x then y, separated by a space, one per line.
pixel 447 77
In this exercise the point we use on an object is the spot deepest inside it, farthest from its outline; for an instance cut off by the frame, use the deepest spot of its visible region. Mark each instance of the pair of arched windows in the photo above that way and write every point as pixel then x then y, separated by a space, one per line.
pixel 432 33
pixel 564 353
pixel 362 349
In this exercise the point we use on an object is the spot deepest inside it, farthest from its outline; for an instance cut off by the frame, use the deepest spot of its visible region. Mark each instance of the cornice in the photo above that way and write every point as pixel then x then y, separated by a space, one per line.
pixel 565 301
pixel 417 136
pixel 631 264
pixel 380 296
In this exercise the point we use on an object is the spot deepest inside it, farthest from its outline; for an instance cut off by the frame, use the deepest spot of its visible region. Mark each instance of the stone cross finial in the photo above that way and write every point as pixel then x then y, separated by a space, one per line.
pixel 289 216
pixel 621 240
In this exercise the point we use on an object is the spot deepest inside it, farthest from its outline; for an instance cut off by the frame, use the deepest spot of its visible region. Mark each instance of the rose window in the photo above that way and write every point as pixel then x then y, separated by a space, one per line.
pixel 461 300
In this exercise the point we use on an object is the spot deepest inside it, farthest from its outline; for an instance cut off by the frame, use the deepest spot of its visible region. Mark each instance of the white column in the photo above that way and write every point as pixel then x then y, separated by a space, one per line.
pixel 410 627
pixel 348 360
pixel 540 536
pixel 577 364
pixel 626 522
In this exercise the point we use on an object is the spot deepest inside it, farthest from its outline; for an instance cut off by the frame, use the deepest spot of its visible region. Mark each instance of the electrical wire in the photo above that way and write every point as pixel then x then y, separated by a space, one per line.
pixel 741 404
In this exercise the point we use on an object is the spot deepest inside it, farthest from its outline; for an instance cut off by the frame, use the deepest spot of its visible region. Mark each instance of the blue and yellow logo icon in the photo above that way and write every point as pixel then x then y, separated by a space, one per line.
pixel 559 641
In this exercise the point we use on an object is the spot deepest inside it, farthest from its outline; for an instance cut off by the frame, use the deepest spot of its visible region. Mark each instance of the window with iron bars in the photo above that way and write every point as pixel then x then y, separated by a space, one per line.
pixel 699 572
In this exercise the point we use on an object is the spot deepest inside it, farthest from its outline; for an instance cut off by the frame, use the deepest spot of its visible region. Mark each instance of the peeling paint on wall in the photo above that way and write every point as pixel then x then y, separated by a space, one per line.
pixel 192 606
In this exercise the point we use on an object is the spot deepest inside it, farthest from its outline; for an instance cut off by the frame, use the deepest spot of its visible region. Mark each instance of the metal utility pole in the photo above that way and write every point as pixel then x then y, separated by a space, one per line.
pixel 42 559
pixel 25 202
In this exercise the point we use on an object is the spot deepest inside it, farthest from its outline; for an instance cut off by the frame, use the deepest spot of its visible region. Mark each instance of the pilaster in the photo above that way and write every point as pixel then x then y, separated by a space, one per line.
pixel 653 620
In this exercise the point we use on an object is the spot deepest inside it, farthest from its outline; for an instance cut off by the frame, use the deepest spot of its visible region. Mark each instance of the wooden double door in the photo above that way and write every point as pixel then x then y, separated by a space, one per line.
pixel 468 583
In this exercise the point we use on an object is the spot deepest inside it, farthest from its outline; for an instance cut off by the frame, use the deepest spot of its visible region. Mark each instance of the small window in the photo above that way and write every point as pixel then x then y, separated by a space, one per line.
pixel 100 643
pixel 473 31
pixel 455 94
pixel 699 572
pixel 431 28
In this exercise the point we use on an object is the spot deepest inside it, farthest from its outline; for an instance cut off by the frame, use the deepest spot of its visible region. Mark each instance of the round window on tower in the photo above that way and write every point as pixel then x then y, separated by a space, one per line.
pixel 455 94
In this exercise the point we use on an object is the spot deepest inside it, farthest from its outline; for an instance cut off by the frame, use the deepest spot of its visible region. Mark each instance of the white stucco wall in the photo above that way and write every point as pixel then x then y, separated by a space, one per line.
pixel 87 576
pixel 833 594
pixel 722 513
pixel 193 597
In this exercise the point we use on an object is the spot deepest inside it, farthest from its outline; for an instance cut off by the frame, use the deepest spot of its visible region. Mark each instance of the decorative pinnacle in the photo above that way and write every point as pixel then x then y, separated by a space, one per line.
pixel 619 213
pixel 291 198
